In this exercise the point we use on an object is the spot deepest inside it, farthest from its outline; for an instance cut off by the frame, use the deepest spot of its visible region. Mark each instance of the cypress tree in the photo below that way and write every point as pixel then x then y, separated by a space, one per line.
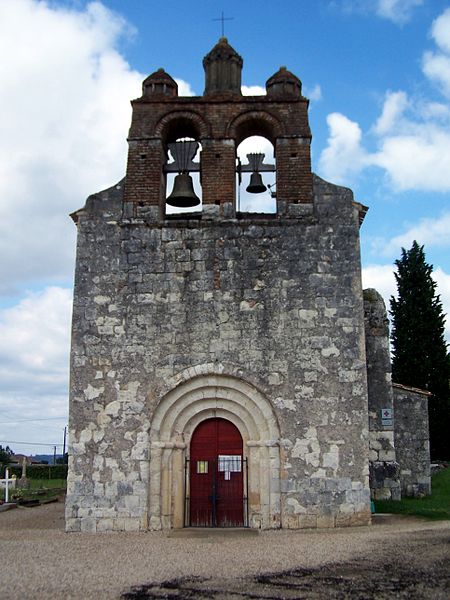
pixel 420 356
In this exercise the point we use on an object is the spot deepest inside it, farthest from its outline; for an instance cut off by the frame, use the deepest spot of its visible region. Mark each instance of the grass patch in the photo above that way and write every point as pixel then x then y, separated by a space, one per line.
pixel 38 489
pixel 436 506
pixel 48 484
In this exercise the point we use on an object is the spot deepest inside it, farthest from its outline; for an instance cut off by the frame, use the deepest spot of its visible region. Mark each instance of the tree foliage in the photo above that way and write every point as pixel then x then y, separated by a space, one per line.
pixel 5 455
pixel 420 355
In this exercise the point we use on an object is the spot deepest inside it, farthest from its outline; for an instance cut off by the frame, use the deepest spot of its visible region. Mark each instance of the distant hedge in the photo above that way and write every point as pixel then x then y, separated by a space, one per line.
pixel 41 471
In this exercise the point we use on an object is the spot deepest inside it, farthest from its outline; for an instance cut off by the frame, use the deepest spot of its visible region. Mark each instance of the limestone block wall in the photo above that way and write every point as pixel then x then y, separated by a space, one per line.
pixel 263 313
pixel 412 439
pixel 384 469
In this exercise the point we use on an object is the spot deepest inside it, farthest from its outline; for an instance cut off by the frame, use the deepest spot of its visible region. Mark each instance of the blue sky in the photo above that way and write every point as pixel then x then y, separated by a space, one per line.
pixel 377 73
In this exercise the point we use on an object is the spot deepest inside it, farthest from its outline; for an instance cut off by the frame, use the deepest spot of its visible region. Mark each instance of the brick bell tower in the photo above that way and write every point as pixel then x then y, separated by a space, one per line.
pixel 219 120
pixel 216 347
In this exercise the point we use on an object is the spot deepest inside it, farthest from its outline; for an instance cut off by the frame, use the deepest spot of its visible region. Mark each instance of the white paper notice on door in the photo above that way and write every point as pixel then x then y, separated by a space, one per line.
pixel 230 463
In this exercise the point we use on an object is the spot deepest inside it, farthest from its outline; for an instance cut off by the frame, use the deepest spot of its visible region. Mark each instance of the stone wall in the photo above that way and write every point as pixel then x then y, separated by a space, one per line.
pixel 412 439
pixel 398 417
pixel 274 306
pixel 384 469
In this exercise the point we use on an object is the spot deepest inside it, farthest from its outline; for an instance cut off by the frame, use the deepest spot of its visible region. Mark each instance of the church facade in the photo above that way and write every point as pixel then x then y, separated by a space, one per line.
pixel 226 368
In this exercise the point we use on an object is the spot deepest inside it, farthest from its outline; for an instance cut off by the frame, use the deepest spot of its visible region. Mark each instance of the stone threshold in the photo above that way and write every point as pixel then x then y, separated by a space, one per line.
pixel 208 532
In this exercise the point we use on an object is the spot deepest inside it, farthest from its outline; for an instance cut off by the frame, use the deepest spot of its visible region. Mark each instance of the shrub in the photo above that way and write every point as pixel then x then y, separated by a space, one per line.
pixel 41 471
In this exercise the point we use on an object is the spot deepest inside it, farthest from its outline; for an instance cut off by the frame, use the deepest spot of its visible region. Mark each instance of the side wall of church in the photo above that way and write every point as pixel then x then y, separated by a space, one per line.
pixel 276 301
pixel 412 440
pixel 384 468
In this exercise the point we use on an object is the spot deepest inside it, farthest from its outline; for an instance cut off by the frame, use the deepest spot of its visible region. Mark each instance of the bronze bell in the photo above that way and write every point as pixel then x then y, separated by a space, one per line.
pixel 183 194
pixel 256 185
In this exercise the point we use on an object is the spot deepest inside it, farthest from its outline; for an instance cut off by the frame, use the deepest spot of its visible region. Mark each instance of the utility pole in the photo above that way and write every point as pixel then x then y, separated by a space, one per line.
pixel 54 455
pixel 64 446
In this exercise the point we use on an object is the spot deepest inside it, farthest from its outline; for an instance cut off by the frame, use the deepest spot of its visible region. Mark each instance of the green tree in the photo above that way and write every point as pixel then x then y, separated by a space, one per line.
pixel 5 457
pixel 420 356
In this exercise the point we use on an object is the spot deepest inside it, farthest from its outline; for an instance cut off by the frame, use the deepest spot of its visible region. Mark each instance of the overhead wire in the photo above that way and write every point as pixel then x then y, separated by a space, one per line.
pixel 29 443
pixel 31 420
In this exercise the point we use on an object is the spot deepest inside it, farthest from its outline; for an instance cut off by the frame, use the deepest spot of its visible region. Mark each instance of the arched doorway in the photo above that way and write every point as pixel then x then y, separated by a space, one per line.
pixel 216 471
pixel 179 413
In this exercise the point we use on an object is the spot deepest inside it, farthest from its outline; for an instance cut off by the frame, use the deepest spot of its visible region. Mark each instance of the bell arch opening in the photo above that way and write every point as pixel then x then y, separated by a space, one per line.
pixel 256 176
pixel 181 134
pixel 173 425
pixel 183 188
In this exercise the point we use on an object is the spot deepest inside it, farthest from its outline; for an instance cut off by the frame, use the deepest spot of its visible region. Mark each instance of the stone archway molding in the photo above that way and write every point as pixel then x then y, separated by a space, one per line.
pixel 254 122
pixel 177 118
pixel 174 421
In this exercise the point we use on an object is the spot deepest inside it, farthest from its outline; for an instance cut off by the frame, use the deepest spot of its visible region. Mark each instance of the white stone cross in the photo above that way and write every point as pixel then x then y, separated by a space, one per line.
pixel 6 482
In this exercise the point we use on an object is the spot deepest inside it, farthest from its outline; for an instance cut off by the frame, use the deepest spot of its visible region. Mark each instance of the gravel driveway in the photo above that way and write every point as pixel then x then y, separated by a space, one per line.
pixel 396 557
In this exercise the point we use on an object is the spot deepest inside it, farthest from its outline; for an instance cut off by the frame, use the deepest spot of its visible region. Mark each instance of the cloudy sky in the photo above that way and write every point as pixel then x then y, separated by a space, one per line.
pixel 378 76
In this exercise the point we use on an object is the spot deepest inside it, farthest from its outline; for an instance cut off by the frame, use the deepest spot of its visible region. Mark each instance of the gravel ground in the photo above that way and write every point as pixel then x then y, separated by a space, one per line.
pixel 396 557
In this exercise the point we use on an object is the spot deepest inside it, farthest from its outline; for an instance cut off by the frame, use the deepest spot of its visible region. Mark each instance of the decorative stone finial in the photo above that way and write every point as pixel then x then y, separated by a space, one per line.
pixel 284 83
pixel 159 83
pixel 223 68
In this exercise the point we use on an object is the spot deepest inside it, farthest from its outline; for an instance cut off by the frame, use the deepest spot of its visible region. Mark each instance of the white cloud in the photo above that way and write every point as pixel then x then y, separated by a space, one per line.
pixel 253 90
pixel 344 155
pixel 412 137
pixel 435 111
pixel 414 153
pixel 314 94
pixel 398 11
pixel 440 31
pixel 431 232
pixel 64 92
pixel 436 67
pixel 381 277
pixel 34 366
pixel 34 342
pixel 418 161
pixel 184 88
pixel 394 106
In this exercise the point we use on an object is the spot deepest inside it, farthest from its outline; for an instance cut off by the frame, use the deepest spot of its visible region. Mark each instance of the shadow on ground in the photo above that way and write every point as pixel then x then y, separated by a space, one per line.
pixel 360 579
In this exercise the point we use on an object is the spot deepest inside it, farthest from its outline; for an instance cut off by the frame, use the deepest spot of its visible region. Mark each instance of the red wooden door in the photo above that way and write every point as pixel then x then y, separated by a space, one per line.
pixel 216 475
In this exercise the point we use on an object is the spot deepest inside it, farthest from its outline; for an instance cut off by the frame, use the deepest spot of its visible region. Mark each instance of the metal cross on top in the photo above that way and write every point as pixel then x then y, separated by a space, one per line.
pixel 223 19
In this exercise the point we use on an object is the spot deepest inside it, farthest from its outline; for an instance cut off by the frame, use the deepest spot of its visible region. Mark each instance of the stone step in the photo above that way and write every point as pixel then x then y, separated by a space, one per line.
pixel 207 532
